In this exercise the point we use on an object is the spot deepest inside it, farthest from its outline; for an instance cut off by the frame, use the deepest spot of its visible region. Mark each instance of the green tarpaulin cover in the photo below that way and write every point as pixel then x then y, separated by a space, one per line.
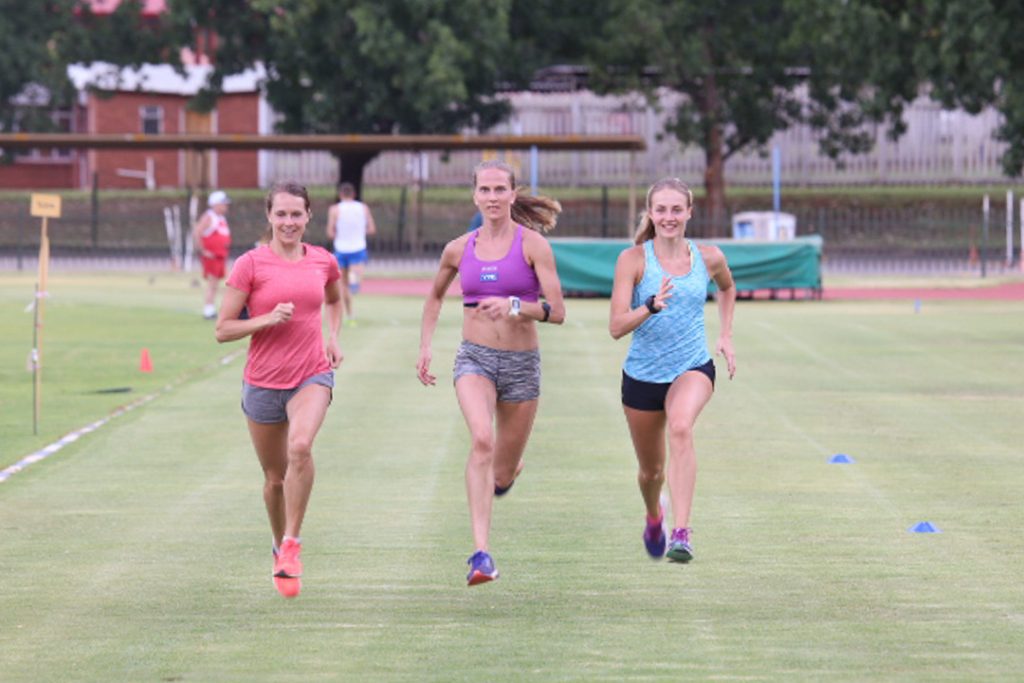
pixel 587 266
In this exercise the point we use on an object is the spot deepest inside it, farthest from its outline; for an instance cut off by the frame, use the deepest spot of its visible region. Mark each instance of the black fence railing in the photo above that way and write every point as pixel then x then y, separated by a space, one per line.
pixel 943 236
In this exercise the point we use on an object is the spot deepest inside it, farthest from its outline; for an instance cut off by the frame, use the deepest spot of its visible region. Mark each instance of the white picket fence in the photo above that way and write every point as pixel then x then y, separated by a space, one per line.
pixel 939 147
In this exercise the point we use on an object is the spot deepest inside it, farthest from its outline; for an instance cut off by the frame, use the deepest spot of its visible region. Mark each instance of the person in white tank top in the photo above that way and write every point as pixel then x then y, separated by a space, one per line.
pixel 349 222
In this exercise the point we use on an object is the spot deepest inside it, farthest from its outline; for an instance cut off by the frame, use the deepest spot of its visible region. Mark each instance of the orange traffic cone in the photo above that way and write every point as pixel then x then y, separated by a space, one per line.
pixel 145 364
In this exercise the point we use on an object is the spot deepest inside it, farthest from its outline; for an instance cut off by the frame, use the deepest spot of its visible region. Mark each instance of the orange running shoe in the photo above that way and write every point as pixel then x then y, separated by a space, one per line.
pixel 288 565
pixel 288 587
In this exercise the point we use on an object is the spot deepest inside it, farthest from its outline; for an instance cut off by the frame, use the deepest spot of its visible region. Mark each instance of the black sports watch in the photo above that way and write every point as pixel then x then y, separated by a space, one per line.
pixel 547 311
pixel 649 302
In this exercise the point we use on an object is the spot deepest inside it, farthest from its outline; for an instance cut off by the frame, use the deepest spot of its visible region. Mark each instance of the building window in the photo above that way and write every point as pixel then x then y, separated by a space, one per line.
pixel 61 123
pixel 152 120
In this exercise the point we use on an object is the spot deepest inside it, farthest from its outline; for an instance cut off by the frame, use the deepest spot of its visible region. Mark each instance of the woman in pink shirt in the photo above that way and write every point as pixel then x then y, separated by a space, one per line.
pixel 289 374
pixel 503 268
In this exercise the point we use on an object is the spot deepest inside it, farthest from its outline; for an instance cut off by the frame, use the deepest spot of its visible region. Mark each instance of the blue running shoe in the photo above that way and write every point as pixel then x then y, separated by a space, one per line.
pixel 481 568
pixel 679 548
pixel 654 536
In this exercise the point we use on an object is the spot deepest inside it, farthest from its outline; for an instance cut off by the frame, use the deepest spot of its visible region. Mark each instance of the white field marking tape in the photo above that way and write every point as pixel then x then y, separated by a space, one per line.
pixel 46 451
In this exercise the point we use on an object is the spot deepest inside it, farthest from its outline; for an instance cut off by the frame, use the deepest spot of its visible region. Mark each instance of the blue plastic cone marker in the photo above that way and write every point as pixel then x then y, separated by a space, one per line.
pixel 917 305
pixel 924 528
pixel 841 459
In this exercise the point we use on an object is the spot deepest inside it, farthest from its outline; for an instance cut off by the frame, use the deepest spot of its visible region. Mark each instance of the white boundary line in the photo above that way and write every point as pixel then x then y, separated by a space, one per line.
pixel 47 451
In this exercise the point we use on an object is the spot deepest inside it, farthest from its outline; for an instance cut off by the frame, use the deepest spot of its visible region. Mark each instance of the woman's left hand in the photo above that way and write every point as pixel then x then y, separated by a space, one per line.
pixel 725 349
pixel 334 354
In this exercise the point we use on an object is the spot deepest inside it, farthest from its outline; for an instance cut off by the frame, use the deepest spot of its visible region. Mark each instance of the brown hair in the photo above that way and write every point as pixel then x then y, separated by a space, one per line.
pixel 288 187
pixel 347 190
pixel 645 230
pixel 535 212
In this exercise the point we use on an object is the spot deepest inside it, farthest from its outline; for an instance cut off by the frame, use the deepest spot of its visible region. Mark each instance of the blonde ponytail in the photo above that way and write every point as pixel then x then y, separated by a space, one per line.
pixel 536 212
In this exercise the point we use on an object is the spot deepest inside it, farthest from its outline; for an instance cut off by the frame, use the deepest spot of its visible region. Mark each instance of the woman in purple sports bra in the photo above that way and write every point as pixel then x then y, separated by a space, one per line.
pixel 503 267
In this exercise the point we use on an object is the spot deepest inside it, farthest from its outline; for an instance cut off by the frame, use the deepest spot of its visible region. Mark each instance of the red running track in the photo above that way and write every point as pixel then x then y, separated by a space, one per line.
pixel 1013 291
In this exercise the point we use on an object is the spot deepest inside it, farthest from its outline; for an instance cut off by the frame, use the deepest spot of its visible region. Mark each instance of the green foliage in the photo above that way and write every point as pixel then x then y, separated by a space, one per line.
pixel 33 35
pixel 346 66
pixel 550 32
pixel 971 54
pixel 41 38
pixel 744 71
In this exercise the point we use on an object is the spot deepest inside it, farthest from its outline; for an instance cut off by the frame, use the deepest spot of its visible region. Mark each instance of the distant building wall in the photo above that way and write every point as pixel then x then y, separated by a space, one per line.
pixel 123 113
pixel 28 175
pixel 237 114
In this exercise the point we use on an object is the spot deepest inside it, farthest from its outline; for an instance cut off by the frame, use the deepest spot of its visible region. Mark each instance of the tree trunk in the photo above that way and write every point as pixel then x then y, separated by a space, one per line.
pixel 350 168
pixel 714 152
pixel 714 184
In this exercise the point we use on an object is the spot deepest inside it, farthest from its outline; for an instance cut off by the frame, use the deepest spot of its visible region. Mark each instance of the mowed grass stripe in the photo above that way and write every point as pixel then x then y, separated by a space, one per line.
pixel 804 570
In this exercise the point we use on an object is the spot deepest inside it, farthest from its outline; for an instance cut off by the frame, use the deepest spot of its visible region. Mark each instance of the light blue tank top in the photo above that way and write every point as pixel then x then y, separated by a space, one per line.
pixel 668 344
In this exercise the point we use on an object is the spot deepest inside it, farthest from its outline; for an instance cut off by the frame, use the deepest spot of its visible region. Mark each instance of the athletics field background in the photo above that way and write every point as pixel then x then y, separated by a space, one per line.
pixel 140 551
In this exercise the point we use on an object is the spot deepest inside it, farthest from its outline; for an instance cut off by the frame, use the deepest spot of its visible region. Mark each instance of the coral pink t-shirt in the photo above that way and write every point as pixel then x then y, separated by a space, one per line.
pixel 284 356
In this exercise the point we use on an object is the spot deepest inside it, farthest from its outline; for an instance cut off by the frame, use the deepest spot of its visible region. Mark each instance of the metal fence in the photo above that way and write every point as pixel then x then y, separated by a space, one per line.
pixel 936 237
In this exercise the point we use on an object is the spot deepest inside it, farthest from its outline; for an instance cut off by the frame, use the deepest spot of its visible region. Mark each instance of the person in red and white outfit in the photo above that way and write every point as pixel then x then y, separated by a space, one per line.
pixel 212 238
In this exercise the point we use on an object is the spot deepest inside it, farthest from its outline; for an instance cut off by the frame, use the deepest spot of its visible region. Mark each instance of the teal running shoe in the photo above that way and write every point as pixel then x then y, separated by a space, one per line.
pixel 679 548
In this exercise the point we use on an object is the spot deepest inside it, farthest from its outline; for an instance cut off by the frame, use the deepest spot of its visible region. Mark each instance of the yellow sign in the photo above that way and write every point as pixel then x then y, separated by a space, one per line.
pixel 46 205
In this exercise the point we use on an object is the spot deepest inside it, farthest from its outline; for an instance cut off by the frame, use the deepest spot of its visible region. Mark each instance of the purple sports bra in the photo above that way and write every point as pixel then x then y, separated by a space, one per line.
pixel 507 276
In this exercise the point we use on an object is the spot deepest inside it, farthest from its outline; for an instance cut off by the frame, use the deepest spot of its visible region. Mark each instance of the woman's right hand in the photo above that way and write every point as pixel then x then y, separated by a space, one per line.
pixel 282 313
pixel 423 369
pixel 664 293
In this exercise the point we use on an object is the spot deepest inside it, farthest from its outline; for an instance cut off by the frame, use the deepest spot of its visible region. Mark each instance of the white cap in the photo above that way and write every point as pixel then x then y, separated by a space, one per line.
pixel 218 197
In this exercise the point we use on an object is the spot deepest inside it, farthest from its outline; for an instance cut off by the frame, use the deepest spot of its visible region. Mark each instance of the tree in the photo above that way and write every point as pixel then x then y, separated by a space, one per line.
pixel 546 33
pixel 40 39
pixel 746 70
pixel 971 55
pixel 350 66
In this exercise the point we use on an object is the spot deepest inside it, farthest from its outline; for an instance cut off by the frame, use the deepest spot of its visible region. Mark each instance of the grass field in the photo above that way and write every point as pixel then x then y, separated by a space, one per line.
pixel 141 551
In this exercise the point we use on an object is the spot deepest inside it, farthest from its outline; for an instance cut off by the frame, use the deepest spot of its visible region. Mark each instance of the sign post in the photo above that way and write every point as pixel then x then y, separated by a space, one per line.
pixel 44 206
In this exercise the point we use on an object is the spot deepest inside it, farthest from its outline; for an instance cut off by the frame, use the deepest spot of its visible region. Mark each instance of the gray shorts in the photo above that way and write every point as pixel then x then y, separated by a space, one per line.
pixel 268 406
pixel 515 374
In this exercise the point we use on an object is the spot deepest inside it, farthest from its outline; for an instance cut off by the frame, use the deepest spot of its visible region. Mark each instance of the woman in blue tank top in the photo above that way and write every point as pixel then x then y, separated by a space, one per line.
pixel 668 377
pixel 503 267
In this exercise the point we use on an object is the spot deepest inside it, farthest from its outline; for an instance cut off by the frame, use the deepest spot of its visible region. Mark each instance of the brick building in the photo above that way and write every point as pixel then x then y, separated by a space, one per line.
pixel 151 100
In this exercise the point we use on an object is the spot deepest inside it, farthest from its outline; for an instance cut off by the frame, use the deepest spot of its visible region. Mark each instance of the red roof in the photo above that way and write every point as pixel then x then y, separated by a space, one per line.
pixel 150 8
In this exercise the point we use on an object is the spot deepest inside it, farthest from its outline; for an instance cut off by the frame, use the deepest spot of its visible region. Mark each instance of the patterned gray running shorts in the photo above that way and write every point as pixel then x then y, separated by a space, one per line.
pixel 515 374
pixel 268 406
